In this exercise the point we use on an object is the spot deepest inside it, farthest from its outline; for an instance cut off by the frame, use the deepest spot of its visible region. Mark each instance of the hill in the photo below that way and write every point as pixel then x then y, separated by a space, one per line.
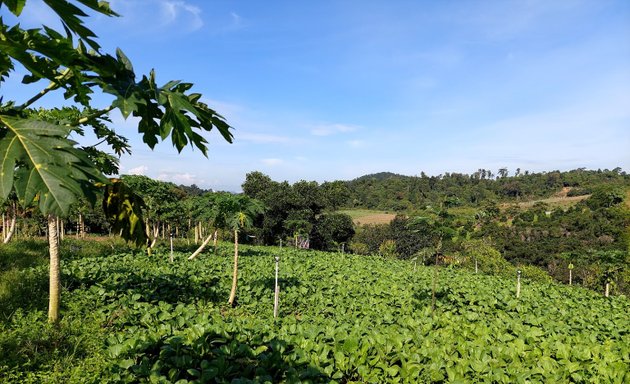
pixel 392 192
pixel 342 318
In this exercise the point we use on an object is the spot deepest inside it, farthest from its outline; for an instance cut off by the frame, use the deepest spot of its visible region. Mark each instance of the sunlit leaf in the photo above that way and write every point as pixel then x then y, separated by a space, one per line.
pixel 38 161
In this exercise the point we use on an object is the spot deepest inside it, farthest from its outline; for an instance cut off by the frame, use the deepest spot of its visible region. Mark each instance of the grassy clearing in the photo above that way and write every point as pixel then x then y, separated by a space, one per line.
pixel 368 216
pixel 552 202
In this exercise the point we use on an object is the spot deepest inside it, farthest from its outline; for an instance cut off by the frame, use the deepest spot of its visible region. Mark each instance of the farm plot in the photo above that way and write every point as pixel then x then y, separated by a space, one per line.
pixel 342 318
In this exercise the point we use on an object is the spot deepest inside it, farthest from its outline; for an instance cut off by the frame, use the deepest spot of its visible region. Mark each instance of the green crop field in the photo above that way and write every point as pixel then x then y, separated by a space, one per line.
pixel 135 318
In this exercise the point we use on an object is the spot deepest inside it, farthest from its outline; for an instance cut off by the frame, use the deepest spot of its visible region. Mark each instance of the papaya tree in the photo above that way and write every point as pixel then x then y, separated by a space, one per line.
pixel 38 161
pixel 237 212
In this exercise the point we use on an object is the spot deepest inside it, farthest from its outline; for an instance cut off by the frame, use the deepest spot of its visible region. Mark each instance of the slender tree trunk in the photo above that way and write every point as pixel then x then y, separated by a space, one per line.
pixel 201 247
pixel 156 234
pixel 235 274
pixel 54 287
pixel 81 226
pixel 8 232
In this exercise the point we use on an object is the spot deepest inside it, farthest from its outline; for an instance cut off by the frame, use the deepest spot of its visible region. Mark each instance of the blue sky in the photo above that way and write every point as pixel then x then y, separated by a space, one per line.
pixel 329 90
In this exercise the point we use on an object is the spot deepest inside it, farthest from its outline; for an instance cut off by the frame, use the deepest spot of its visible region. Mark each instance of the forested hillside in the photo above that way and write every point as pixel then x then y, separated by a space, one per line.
pixel 552 221
pixel 389 191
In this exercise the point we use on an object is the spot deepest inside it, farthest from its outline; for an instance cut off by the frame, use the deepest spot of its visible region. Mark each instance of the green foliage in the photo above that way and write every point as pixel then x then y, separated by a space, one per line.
pixel 359 248
pixel 134 318
pixel 388 191
pixel 372 236
pixel 39 162
pixel 535 273
pixel 236 212
pixel 489 260
pixel 388 249
pixel 123 209
pixel 291 209
pixel 330 230
pixel 24 269
pixel 605 196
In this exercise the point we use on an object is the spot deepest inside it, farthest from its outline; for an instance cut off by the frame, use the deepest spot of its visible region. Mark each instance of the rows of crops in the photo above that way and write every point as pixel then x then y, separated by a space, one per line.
pixel 342 318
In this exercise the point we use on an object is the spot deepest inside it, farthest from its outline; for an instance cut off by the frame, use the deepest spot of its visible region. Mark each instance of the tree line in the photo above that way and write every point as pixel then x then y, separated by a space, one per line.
pixel 389 191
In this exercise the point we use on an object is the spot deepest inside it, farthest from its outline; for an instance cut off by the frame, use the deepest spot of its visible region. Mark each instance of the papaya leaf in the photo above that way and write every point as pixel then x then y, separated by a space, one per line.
pixel 15 6
pixel 39 162
pixel 123 208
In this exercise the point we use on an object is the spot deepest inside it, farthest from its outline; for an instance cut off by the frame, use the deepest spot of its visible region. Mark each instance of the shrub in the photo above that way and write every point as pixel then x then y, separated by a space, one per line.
pixel 535 273
pixel 388 249
pixel 359 248
pixel 489 260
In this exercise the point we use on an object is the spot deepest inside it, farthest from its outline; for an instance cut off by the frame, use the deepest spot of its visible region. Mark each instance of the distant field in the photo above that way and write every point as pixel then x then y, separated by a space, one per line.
pixel 367 216
pixel 553 202
pixel 559 200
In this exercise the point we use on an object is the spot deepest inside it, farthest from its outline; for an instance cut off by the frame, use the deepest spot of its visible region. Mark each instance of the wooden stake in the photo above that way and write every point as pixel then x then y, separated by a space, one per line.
pixel 276 299
pixel 171 236
pixel 518 284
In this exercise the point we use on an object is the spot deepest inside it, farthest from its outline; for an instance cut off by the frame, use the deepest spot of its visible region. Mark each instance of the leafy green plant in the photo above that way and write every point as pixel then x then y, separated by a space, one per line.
pixel 342 318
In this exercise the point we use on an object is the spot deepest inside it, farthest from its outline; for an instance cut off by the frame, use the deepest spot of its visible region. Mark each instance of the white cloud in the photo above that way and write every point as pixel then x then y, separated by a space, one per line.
pixel 181 178
pixel 151 16
pixel 332 129
pixel 140 170
pixel 181 13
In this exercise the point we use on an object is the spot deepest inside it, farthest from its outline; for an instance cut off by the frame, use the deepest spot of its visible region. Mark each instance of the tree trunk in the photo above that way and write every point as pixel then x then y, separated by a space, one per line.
pixel 235 274
pixel 201 247
pixel 156 233
pixel 81 226
pixel 54 286
pixel 8 233
pixel 59 235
